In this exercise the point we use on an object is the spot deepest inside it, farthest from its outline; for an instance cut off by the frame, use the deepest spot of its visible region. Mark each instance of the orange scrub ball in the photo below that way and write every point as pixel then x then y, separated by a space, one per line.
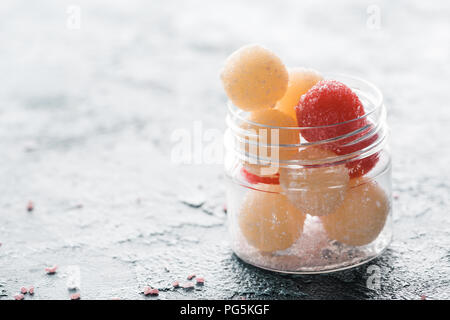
pixel 317 190
pixel 300 81
pixel 262 140
pixel 361 217
pixel 268 220
pixel 254 78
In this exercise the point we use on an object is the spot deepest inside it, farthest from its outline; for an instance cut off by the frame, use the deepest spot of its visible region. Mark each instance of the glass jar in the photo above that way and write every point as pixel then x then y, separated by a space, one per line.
pixel 313 206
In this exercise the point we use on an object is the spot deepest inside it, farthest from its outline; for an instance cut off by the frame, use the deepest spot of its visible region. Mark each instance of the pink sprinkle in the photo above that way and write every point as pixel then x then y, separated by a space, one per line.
pixel 30 206
pixel 151 291
pixel 175 284
pixel 225 209
pixel 191 276
pixel 75 296
pixel 115 298
pixel 188 285
pixel 200 280
pixel 31 290
pixel 423 297
pixel 154 292
pixel 19 296
pixel 23 290
pixel 51 270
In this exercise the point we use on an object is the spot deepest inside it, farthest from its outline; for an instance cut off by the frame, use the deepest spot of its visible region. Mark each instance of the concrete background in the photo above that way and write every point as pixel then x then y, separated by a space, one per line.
pixel 87 113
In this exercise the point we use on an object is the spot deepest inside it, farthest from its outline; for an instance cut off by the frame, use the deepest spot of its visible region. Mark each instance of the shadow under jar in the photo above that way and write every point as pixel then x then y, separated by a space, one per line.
pixel 297 206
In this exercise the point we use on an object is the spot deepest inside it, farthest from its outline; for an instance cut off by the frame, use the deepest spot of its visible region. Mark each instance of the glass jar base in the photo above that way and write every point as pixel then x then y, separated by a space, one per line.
pixel 336 257
pixel 307 271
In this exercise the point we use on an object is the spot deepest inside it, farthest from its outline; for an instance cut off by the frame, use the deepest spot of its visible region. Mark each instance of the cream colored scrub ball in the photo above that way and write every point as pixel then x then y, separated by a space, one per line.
pixel 300 81
pixel 318 190
pixel 268 221
pixel 360 219
pixel 267 131
pixel 254 78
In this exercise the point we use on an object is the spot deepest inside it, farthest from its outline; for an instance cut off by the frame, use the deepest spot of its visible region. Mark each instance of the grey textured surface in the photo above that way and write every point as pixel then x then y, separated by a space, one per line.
pixel 86 118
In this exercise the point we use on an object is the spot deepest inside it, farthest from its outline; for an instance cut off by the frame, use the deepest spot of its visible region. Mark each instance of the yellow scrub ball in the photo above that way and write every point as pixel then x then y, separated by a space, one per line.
pixel 361 217
pixel 300 81
pixel 268 221
pixel 263 141
pixel 254 78
pixel 316 191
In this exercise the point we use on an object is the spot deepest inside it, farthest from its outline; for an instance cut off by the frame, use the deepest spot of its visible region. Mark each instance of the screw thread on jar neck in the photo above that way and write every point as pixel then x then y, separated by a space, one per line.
pixel 365 136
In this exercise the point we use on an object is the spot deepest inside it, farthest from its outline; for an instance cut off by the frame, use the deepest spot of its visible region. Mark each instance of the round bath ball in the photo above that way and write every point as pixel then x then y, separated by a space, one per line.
pixel 268 221
pixel 358 168
pixel 265 131
pixel 360 219
pixel 300 81
pixel 318 189
pixel 327 103
pixel 254 78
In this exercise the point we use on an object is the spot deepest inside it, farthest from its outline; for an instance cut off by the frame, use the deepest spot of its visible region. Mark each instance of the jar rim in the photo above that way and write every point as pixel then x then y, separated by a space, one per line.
pixel 234 110
pixel 371 133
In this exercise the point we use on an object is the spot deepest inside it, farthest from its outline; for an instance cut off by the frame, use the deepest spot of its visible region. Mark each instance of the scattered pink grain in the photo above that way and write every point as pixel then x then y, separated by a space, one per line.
pixel 175 284
pixel 200 280
pixel 225 209
pixel 151 291
pixel 396 196
pixel 115 298
pixel 23 290
pixel 188 285
pixel 31 290
pixel 30 206
pixel 154 292
pixel 147 290
pixel 191 276
pixel 75 296
pixel 423 297
pixel 19 296
pixel 51 270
